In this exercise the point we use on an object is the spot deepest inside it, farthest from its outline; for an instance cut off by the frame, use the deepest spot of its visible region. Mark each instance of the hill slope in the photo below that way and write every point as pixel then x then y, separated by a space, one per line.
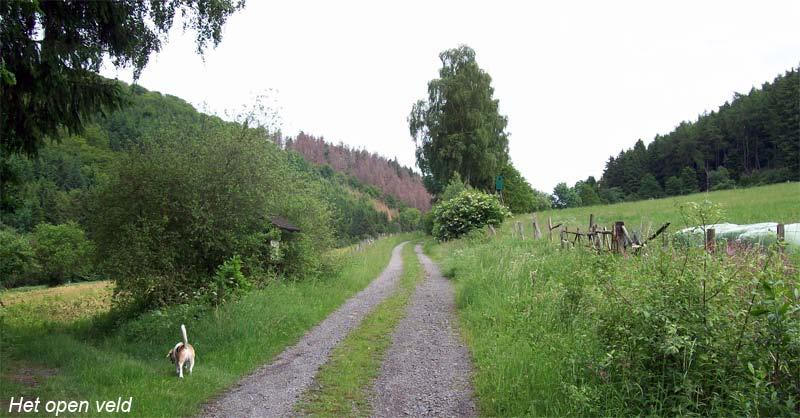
pixel 394 180
pixel 55 186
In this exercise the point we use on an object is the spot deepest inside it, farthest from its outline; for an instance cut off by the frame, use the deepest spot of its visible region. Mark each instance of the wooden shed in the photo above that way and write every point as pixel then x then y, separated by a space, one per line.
pixel 283 224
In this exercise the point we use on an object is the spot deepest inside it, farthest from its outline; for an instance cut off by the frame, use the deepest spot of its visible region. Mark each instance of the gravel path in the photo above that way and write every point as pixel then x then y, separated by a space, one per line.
pixel 272 390
pixel 427 370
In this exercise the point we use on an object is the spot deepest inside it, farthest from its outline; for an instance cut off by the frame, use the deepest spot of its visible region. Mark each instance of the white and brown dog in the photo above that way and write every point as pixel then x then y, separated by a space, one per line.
pixel 182 355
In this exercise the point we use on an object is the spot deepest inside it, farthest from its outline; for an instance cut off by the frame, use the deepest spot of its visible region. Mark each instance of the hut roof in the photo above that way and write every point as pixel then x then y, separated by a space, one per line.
pixel 283 224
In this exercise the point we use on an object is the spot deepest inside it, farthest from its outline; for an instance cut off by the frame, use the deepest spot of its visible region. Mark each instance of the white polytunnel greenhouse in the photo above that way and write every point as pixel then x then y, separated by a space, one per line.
pixel 765 234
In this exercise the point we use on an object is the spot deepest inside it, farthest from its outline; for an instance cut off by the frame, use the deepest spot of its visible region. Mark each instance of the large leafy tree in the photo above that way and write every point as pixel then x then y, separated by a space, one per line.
pixel 565 197
pixel 459 129
pixel 52 51
pixel 518 195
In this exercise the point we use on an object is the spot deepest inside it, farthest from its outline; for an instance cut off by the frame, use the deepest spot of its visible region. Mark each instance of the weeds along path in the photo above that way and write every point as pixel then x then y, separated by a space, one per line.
pixel 427 370
pixel 272 390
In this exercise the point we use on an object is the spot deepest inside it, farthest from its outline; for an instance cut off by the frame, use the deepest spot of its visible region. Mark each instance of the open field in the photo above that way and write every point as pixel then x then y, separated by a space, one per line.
pixel 671 331
pixel 776 203
pixel 71 362
pixel 62 304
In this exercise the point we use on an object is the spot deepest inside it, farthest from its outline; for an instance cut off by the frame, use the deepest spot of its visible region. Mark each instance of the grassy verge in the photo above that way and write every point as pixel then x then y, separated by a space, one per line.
pixel 58 361
pixel 510 321
pixel 557 332
pixel 343 386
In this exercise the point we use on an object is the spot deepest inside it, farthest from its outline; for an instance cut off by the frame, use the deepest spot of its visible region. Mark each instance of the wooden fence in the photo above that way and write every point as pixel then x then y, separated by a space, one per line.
pixel 616 238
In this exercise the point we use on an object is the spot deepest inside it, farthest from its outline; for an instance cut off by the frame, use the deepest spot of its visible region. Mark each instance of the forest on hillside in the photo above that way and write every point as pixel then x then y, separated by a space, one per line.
pixel 394 180
pixel 752 140
pixel 59 195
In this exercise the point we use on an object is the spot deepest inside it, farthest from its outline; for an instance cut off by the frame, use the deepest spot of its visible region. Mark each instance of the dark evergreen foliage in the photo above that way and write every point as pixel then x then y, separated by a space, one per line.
pixel 754 139
pixel 52 51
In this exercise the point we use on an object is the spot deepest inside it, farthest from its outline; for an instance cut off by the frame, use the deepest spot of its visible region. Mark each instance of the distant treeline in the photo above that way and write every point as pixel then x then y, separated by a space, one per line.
pixel 755 139
pixel 752 140
pixel 397 182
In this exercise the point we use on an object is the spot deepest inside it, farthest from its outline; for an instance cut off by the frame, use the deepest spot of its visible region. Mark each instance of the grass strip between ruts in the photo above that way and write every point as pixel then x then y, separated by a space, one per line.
pixel 343 386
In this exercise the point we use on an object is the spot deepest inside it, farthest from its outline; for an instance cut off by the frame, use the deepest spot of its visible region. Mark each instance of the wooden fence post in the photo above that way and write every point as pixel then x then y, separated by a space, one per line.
pixel 537 232
pixel 549 228
pixel 781 231
pixel 618 236
pixel 591 221
pixel 711 240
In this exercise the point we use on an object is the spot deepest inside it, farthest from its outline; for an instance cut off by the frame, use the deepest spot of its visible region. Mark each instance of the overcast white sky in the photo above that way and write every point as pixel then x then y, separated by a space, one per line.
pixel 579 81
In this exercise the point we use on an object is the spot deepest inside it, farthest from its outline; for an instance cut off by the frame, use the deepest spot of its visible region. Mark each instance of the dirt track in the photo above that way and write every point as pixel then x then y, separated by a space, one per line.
pixel 272 390
pixel 427 370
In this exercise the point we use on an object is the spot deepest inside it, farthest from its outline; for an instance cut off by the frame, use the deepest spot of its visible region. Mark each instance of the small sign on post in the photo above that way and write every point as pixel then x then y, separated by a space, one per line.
pixel 499 183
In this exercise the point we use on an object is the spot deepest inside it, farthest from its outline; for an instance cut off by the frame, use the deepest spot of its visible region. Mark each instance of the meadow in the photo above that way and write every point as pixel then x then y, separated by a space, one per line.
pixel 774 203
pixel 74 359
pixel 668 331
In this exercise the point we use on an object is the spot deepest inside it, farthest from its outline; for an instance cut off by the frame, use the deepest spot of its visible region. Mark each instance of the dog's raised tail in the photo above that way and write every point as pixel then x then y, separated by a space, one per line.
pixel 185 338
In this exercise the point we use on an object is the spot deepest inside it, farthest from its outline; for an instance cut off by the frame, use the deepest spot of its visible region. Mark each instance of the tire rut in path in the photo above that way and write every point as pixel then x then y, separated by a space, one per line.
pixel 427 370
pixel 273 389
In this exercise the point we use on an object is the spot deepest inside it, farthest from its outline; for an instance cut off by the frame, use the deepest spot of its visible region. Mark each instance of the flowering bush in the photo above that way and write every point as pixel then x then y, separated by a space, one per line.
pixel 469 210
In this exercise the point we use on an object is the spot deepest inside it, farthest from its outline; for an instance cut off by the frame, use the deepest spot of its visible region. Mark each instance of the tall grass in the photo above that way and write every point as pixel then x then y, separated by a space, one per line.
pixel 667 332
pixel 509 299
pixel 230 342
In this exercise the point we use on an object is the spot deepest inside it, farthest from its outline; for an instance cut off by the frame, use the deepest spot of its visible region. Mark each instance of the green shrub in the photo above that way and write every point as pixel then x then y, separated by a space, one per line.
pixel 62 252
pixel 229 281
pixel 180 205
pixel 17 260
pixel 410 219
pixel 565 197
pixel 519 196
pixel 469 210
pixel 720 179
pixel 687 333
pixel 454 188
pixel 587 194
